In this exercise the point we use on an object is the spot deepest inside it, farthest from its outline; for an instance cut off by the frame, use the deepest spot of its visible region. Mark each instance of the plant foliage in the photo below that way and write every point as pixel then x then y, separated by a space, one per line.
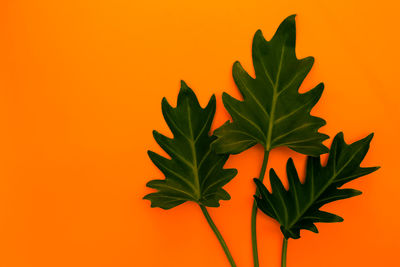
pixel 194 172
pixel 273 113
pixel 299 207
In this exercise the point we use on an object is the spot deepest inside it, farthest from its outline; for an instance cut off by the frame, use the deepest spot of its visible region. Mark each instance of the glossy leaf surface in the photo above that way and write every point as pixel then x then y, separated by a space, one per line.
pixel 273 112
pixel 194 172
pixel 299 207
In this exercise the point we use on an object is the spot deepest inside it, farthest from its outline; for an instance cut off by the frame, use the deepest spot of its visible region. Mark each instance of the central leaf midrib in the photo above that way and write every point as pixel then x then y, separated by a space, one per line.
pixel 194 156
pixel 274 100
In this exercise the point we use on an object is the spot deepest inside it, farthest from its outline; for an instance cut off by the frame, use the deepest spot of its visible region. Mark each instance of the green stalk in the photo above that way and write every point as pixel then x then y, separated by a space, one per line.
pixel 218 235
pixel 254 213
pixel 284 252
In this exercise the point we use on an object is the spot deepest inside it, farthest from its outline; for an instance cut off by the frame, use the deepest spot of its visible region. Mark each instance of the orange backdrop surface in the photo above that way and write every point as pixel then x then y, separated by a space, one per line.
pixel 81 84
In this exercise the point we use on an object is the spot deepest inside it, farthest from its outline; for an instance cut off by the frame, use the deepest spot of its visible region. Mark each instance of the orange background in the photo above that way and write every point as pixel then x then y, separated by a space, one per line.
pixel 81 84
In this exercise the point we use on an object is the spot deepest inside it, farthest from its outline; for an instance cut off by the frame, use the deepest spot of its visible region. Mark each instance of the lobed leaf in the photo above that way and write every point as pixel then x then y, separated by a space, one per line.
pixel 273 112
pixel 194 172
pixel 299 207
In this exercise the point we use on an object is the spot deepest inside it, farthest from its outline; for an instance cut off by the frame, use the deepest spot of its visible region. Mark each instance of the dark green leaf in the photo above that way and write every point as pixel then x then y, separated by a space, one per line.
pixel 298 207
pixel 194 172
pixel 273 112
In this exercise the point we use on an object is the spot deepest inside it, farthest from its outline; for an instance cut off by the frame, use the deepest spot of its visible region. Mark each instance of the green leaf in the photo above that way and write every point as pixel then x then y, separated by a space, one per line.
pixel 194 172
pixel 298 207
pixel 273 112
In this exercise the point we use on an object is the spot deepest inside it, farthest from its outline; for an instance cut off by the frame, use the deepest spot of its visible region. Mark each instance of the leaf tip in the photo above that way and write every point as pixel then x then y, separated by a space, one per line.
pixel 324 149
pixel 290 21
pixel 236 66
pixel 212 102
pixel 320 85
pixel 369 137
pixel 155 134
pixel 184 91
pixel 234 172
pixel 258 37
pixel 339 136
pixel 357 193
pixel 258 182
pixel 225 97
pixel 165 106
pixel 236 63
pixel 291 17
pixel 272 173
pixel 374 169
pixel 184 85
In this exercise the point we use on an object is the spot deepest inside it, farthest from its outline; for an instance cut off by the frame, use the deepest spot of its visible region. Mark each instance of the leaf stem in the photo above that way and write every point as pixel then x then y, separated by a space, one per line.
pixel 218 235
pixel 284 252
pixel 254 213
